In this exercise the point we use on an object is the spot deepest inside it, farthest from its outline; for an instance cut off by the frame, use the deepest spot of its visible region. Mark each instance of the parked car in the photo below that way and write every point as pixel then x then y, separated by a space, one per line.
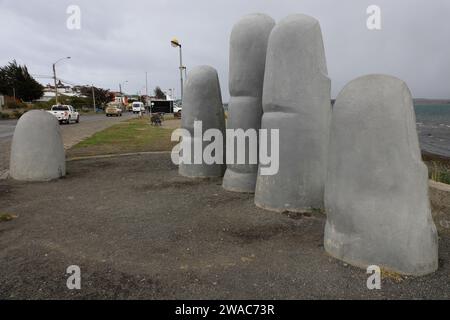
pixel 113 111
pixel 138 107
pixel 65 113
pixel 176 108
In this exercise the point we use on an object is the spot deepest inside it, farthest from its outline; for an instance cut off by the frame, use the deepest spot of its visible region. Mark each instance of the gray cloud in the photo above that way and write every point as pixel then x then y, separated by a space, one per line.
pixel 120 40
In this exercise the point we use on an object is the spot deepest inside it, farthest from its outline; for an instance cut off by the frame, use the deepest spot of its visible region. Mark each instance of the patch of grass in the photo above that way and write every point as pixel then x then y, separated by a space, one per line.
pixel 135 135
pixel 4 217
pixel 439 171
pixel 386 274
pixel 4 115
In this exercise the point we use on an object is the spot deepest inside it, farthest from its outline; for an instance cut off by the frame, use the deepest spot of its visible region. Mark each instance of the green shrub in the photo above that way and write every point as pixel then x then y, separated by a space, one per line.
pixel 17 114
pixel 439 172
pixel 16 105
pixel 40 105
pixel 4 115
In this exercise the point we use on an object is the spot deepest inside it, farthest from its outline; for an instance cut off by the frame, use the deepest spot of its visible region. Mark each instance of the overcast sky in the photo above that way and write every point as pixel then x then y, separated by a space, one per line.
pixel 121 40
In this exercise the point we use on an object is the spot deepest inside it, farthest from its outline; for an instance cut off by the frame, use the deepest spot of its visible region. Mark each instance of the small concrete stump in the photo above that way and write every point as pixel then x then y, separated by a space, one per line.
pixel 377 185
pixel 296 101
pixel 248 46
pixel 202 101
pixel 37 150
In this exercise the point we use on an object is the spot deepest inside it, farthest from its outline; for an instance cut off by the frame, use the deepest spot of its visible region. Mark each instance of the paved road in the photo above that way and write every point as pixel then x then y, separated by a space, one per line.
pixel 7 128
pixel 72 134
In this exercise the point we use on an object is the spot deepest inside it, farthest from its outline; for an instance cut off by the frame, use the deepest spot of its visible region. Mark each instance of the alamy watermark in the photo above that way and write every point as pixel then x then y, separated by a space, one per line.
pixel 374 280
pixel 445 223
pixel 241 147
pixel 74 280
pixel 374 19
pixel 73 21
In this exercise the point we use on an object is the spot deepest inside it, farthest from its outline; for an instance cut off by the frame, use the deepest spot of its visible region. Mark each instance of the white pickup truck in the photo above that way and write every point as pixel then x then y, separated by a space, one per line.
pixel 65 113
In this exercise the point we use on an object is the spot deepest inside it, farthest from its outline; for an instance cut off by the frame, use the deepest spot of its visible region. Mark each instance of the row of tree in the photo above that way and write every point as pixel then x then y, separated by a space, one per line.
pixel 16 81
pixel 102 96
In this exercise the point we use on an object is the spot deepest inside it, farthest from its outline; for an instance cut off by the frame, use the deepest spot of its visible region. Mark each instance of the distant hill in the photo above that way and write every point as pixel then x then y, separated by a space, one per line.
pixel 419 101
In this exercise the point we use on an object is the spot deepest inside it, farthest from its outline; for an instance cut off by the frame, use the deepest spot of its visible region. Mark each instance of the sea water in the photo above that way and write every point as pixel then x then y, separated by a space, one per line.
pixel 433 127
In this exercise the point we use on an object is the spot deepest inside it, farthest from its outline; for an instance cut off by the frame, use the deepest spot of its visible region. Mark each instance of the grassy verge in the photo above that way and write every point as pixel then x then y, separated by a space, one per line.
pixel 6 217
pixel 135 135
pixel 439 172
pixel 438 167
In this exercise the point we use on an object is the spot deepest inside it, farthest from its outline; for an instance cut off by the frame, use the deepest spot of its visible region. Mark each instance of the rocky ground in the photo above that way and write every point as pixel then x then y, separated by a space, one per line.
pixel 138 230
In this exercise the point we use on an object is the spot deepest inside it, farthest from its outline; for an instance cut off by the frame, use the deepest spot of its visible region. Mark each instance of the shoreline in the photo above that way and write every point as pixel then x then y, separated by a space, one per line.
pixel 428 156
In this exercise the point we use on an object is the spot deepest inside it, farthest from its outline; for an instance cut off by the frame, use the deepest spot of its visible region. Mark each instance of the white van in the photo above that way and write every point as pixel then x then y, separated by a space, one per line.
pixel 138 107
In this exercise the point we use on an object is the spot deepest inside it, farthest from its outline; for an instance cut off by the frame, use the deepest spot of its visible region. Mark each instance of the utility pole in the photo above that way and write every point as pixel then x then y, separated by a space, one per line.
pixel 14 94
pixel 146 84
pixel 56 87
pixel 54 78
pixel 146 90
pixel 93 98
pixel 121 94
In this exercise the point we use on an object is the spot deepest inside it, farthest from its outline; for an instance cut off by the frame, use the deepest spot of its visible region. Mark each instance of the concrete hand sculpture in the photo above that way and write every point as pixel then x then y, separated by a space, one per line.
pixel 377 187
pixel 296 101
pixel 37 151
pixel 202 105
pixel 248 46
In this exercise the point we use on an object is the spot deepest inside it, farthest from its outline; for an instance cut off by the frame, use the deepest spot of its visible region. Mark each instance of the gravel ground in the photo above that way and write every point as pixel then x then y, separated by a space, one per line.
pixel 138 230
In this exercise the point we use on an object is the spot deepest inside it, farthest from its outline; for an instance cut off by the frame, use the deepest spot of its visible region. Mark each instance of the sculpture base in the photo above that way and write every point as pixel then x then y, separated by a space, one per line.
pixel 239 182
pixel 361 253
pixel 287 209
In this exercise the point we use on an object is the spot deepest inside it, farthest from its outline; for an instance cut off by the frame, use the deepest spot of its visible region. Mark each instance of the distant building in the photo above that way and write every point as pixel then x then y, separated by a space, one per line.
pixel 169 94
pixel 63 90
pixel 120 98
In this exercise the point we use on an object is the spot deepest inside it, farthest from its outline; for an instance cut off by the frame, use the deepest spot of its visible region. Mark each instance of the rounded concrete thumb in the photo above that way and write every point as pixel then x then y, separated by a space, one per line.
pixel 376 193
pixel 37 151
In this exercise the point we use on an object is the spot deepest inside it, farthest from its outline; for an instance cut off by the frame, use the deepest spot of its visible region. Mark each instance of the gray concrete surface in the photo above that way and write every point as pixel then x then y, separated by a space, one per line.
pixel 248 46
pixel 138 230
pixel 202 102
pixel 296 100
pixel 72 134
pixel 377 185
pixel 37 150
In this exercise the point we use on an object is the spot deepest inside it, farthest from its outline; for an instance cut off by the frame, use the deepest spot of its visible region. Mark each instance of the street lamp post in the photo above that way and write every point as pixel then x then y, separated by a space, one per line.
pixel 93 98
pixel 120 90
pixel 54 77
pixel 175 43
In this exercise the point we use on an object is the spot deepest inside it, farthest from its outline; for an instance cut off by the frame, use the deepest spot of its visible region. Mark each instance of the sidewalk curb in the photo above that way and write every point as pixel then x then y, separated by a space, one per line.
pixel 106 156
